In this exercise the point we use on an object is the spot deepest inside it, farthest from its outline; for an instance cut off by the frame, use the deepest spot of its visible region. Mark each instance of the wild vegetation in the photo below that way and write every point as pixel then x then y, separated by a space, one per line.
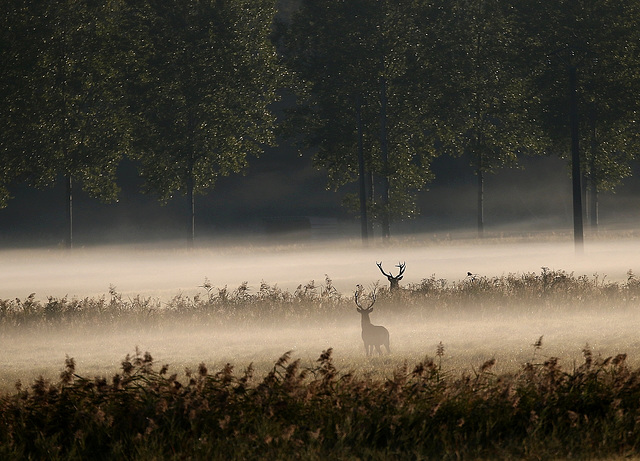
pixel 548 289
pixel 421 410
pixel 541 412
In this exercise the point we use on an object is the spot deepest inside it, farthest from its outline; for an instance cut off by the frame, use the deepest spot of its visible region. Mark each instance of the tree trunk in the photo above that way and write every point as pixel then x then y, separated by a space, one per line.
pixel 480 174
pixel 594 208
pixel 371 197
pixel 578 235
pixel 386 225
pixel 69 239
pixel 593 196
pixel 593 176
pixel 361 175
pixel 191 206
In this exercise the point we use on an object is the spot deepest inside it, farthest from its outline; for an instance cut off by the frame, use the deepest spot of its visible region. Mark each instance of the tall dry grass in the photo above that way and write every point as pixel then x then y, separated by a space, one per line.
pixel 549 289
pixel 319 412
pixel 421 410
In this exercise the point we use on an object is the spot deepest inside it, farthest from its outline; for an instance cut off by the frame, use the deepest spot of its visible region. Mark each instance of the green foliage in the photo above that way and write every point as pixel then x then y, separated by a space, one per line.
pixel 186 88
pixel 62 95
pixel 599 39
pixel 350 58
pixel 206 76
pixel 485 79
pixel 486 95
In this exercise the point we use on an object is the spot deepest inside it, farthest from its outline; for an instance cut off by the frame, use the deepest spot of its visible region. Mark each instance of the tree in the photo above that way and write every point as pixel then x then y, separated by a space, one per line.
pixel 65 113
pixel 485 98
pixel 356 101
pixel 609 127
pixel 14 26
pixel 584 56
pixel 208 74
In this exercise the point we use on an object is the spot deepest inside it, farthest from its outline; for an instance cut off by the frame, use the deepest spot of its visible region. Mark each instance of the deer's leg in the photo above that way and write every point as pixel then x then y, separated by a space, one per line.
pixel 378 349
pixel 366 349
pixel 387 346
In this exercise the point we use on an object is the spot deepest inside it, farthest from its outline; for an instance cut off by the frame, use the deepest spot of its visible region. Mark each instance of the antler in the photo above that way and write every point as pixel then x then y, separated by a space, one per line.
pixel 382 270
pixel 355 295
pixel 359 290
pixel 401 266
pixel 373 299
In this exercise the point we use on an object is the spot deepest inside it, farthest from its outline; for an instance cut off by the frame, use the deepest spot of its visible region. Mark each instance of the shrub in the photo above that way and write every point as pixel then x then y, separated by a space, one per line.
pixel 318 412
pixel 308 302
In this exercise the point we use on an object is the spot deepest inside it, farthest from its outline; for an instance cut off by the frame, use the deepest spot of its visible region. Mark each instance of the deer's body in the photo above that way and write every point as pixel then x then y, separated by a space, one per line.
pixel 372 335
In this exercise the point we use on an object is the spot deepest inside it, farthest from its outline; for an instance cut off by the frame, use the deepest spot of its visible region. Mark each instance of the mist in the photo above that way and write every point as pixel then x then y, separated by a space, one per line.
pixel 163 272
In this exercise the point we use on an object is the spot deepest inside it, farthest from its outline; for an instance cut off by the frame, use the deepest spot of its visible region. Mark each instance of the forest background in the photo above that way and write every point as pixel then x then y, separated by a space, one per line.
pixel 405 109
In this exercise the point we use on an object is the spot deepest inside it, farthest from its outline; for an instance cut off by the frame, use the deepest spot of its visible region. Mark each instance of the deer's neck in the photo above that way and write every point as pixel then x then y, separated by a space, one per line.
pixel 366 322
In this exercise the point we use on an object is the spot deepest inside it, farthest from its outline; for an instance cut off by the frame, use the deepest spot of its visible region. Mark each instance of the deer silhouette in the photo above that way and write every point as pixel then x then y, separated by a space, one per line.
pixel 372 335
pixel 394 281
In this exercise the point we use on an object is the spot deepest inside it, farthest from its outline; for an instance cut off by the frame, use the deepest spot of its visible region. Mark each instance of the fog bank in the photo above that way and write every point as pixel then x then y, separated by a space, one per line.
pixel 469 337
pixel 164 272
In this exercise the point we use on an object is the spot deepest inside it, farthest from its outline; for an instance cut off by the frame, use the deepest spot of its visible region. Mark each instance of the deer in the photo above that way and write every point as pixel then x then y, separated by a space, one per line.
pixel 372 335
pixel 394 281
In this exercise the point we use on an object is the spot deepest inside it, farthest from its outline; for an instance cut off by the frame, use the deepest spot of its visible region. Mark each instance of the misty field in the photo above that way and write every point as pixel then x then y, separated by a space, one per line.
pixel 533 365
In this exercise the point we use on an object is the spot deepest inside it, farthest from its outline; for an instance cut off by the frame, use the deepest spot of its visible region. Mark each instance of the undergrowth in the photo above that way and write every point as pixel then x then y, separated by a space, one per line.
pixel 318 412
pixel 423 411
pixel 549 289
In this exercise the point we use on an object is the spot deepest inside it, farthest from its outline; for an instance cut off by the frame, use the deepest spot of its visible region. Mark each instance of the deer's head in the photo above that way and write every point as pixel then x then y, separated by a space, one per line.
pixel 393 280
pixel 364 310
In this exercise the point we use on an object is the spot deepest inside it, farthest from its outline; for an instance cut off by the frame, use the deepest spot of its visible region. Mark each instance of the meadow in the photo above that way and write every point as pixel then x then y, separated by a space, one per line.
pixel 532 365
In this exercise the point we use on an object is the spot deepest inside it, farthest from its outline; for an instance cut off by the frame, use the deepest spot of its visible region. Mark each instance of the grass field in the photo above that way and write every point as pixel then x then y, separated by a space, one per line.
pixel 536 365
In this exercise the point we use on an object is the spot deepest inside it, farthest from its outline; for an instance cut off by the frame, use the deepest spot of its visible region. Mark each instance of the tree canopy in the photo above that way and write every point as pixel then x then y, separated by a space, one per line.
pixel 186 89
pixel 63 113
pixel 354 60
pixel 583 59
pixel 208 74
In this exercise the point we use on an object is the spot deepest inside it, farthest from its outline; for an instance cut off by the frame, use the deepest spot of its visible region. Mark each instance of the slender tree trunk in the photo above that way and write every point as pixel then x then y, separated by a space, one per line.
pixel 361 175
pixel 593 175
pixel 480 174
pixel 69 239
pixel 584 184
pixel 191 221
pixel 191 205
pixel 593 195
pixel 371 197
pixel 594 208
pixel 576 173
pixel 586 198
pixel 384 149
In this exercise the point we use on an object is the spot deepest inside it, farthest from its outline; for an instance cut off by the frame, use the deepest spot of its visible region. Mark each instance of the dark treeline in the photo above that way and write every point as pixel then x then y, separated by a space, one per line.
pixel 378 90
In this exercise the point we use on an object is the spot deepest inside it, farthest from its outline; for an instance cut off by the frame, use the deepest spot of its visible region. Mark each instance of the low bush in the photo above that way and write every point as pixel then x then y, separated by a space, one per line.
pixel 318 412
pixel 549 289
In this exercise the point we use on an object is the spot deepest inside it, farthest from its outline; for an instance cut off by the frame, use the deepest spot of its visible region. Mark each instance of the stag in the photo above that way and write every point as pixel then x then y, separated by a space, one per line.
pixel 372 335
pixel 394 281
